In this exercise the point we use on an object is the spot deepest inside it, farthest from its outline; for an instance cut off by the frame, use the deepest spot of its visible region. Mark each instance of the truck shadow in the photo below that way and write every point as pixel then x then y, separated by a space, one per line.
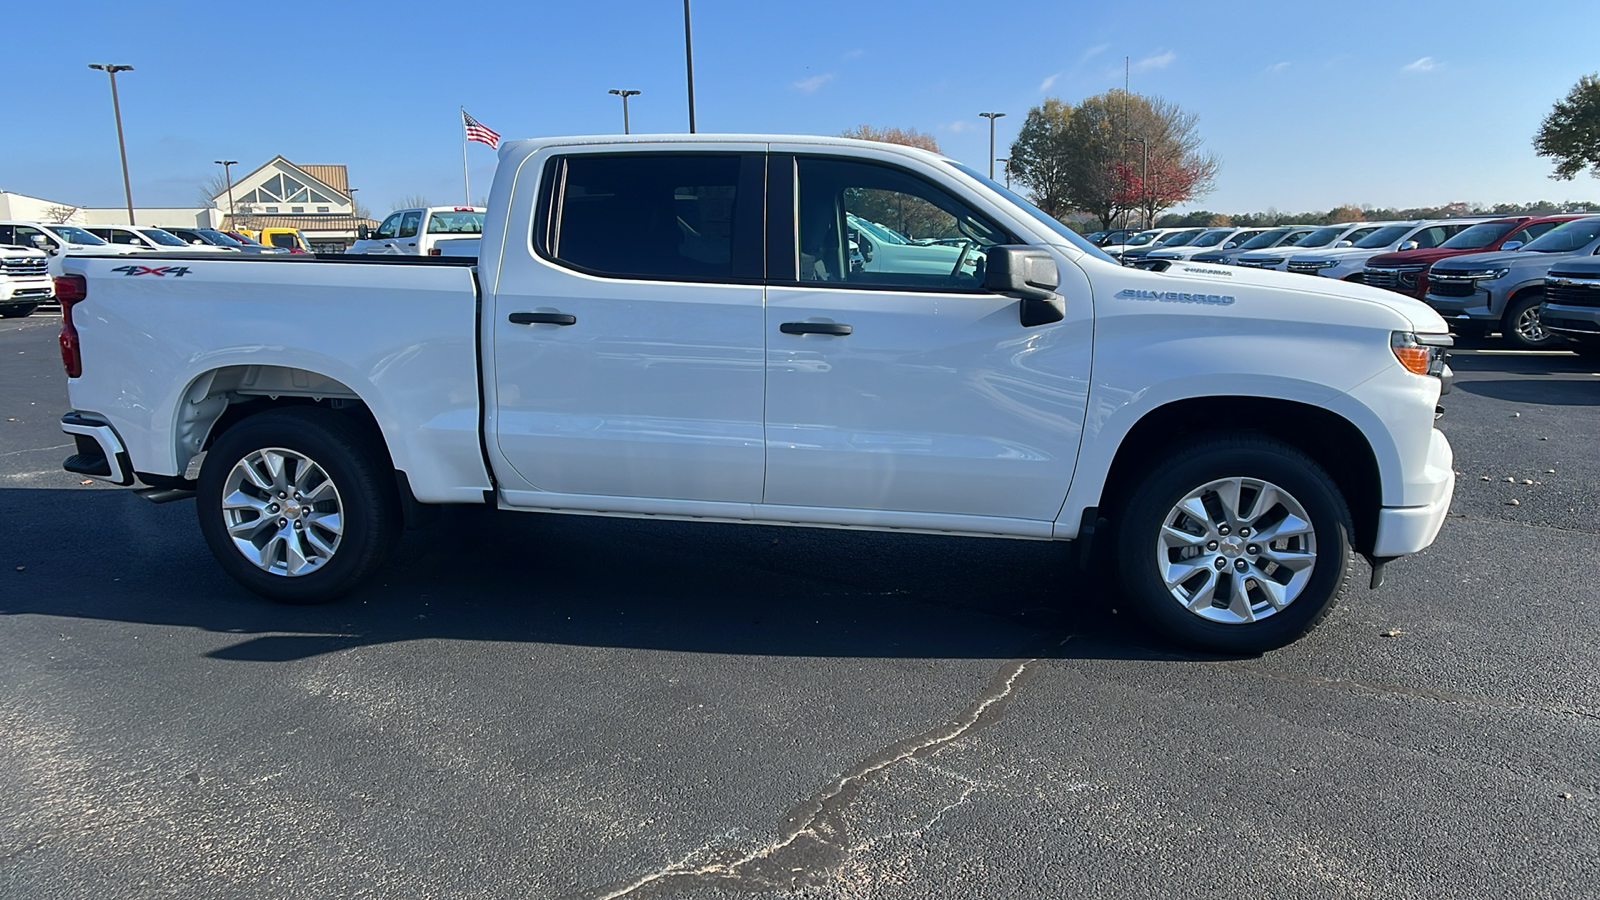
pixel 483 575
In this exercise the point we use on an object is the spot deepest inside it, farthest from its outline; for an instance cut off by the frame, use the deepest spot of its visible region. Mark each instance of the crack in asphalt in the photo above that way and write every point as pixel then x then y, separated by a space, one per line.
pixel 815 839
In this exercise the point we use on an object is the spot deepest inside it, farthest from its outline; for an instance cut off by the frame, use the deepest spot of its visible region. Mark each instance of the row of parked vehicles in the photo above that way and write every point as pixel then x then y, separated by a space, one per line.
pixel 1484 275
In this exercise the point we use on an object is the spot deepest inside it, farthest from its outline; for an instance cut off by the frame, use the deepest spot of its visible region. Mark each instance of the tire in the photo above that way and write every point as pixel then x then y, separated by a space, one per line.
pixel 348 515
pixel 1314 569
pixel 17 312
pixel 1522 329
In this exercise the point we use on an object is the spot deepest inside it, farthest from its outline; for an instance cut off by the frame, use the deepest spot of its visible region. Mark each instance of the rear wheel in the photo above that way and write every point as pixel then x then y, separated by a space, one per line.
pixel 17 312
pixel 1235 544
pixel 298 505
pixel 1523 328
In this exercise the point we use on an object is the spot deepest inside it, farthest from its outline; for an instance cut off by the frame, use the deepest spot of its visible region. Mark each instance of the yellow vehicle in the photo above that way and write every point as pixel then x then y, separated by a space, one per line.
pixel 289 239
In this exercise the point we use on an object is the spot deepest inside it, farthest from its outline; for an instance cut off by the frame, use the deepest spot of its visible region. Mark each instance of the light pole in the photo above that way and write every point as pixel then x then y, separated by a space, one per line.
pixel 624 95
pixel 688 56
pixel 991 116
pixel 1144 178
pixel 1005 164
pixel 116 108
pixel 228 177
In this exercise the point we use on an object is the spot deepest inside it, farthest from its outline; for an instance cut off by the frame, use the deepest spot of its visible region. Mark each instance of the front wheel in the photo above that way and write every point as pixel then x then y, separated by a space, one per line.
pixel 1235 544
pixel 298 505
pixel 1523 327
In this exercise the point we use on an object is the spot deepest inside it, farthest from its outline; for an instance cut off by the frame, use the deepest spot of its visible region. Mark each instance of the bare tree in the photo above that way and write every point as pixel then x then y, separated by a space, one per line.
pixel 907 136
pixel 210 189
pixel 59 214
pixel 411 201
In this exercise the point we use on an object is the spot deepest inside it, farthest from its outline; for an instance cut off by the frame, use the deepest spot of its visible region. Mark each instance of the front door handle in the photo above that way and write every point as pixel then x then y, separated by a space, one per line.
pixel 531 318
pixel 837 328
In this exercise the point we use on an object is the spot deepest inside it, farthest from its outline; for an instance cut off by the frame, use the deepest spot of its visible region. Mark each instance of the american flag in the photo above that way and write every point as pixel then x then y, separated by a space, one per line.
pixel 477 131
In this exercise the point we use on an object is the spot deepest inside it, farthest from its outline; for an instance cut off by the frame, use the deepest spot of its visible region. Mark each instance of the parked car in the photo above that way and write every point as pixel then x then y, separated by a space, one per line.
pixel 1211 239
pixel 1344 234
pixel 1110 238
pixel 411 232
pixel 57 241
pixel 212 237
pixel 735 367
pixel 144 237
pixel 1406 271
pixel 1141 240
pixel 1176 238
pixel 1350 263
pixel 1281 236
pixel 1571 307
pixel 879 248
pixel 24 280
pixel 1503 290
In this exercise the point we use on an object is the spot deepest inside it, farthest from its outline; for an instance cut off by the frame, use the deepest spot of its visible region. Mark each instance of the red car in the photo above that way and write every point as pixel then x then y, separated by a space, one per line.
pixel 1407 270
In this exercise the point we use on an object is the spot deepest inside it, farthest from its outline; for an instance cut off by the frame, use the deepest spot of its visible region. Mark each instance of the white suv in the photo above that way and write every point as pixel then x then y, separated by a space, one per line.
pixel 1343 234
pixel 1350 263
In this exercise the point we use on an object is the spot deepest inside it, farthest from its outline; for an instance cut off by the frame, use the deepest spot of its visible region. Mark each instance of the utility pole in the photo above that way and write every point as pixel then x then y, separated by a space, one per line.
pixel 624 95
pixel 991 116
pixel 116 108
pixel 688 56
pixel 1144 179
pixel 228 177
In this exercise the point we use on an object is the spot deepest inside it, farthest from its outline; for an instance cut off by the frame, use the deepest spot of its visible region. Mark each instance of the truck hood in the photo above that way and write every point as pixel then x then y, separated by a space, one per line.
pixel 1193 276
pixel 1415 257
pixel 1495 259
pixel 1336 253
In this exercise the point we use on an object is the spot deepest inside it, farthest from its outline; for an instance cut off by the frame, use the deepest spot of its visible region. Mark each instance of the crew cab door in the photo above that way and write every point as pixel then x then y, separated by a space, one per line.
pixel 627 328
pixel 383 240
pixel 904 386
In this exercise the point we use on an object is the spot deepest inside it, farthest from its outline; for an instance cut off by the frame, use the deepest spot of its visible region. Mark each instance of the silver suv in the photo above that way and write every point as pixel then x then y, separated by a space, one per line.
pixel 1502 290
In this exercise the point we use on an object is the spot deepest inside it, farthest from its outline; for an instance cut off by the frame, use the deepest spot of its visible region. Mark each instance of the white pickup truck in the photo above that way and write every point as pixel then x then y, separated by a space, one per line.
pixel 671 327
pixel 415 232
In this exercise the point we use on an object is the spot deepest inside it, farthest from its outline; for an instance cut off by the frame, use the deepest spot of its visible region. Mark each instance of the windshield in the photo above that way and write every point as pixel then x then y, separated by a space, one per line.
pixel 1050 222
pixel 1295 238
pixel 1180 238
pixel 1142 238
pixel 1264 239
pixel 1322 237
pixel 1210 238
pixel 76 235
pixel 220 239
pixel 1478 236
pixel 1385 236
pixel 1562 238
pixel 164 238
pixel 462 221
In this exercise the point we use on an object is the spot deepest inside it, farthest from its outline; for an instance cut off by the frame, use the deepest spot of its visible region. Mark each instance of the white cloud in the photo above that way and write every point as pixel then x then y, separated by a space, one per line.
pixel 855 54
pixel 960 125
pixel 1045 84
pixel 810 85
pixel 1425 64
pixel 1277 67
pixel 1154 62
pixel 1092 52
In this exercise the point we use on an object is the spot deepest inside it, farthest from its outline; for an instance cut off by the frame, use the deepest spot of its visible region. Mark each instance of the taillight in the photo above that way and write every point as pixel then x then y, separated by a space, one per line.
pixel 70 290
pixel 434 251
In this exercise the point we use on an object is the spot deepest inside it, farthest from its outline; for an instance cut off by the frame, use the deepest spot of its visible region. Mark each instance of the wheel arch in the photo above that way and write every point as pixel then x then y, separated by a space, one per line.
pixel 1332 440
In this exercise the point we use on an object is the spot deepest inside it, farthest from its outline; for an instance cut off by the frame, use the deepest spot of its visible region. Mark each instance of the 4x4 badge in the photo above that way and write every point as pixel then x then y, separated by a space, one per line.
pixel 174 271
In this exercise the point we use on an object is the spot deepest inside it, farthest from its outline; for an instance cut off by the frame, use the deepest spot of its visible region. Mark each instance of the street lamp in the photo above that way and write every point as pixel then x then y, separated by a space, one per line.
pixel 624 95
pixel 991 116
pixel 116 108
pixel 688 57
pixel 1144 178
pixel 228 177
pixel 1005 164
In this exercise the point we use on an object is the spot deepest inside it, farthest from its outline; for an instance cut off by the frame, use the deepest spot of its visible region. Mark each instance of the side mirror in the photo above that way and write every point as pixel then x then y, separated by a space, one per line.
pixel 196 241
pixel 1029 274
pixel 1345 244
pixel 362 232
pixel 1229 245
pixel 1511 245
pixel 1409 245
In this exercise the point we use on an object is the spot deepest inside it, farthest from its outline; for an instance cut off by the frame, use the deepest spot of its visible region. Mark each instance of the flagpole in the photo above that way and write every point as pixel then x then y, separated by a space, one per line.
pixel 465 178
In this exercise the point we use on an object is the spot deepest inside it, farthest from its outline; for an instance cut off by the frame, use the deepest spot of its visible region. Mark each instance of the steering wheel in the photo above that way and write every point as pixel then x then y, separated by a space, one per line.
pixel 955 272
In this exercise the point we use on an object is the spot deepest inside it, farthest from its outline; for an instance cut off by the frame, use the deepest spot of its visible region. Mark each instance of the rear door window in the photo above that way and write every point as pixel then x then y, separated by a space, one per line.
pixel 673 216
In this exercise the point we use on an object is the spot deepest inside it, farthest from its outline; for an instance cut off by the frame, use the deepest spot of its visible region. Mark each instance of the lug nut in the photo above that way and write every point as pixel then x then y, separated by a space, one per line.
pixel 1222 563
pixel 282 495
pixel 282 522
pixel 1253 549
pixel 1212 545
pixel 272 507
pixel 1244 532
pixel 1240 565
pixel 1223 530
pixel 299 525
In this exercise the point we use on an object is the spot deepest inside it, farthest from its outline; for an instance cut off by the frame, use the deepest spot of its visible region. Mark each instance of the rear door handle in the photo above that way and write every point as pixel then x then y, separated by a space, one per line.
pixel 531 318
pixel 837 328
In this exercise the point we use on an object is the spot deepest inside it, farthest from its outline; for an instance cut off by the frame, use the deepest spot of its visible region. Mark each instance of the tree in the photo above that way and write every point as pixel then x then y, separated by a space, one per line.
pixel 210 189
pixel 1571 132
pixel 1347 213
pixel 1040 157
pixel 59 214
pixel 907 136
pixel 411 201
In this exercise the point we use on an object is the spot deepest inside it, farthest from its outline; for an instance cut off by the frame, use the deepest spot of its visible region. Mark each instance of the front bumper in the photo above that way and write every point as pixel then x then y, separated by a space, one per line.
pixel 1478 306
pixel 1563 319
pixel 25 290
pixel 1409 529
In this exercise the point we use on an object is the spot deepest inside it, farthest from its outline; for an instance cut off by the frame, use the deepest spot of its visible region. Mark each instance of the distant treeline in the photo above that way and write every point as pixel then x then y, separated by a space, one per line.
pixel 1352 213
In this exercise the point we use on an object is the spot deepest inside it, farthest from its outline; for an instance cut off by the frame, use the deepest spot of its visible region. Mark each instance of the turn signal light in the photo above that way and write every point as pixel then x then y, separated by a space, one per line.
pixel 70 290
pixel 1422 354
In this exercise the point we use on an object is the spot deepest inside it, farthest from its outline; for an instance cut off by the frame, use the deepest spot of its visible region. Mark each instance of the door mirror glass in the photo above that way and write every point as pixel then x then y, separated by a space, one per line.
pixel 1409 245
pixel 1511 245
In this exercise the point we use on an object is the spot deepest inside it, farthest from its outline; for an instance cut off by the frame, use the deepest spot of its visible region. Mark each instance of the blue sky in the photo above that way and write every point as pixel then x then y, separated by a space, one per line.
pixel 1308 105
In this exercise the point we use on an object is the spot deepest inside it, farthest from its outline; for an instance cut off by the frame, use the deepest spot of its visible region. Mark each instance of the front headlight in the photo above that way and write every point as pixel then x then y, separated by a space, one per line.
pixel 1492 274
pixel 1422 354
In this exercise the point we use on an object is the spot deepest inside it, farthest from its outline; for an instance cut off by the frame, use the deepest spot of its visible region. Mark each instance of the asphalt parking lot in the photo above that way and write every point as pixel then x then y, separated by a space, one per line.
pixel 538 706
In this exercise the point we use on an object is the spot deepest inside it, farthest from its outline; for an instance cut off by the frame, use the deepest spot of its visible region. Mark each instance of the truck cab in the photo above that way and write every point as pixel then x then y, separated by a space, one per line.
pixel 413 232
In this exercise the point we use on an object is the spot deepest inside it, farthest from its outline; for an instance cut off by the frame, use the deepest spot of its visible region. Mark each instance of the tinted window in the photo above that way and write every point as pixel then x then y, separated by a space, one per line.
pixel 1481 235
pixel 283 239
pixel 1432 236
pixel 1533 231
pixel 456 223
pixel 389 226
pixel 1264 239
pixel 1295 237
pixel 653 215
pixel 946 242
pixel 1382 237
pixel 27 233
pixel 1570 236
pixel 410 223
